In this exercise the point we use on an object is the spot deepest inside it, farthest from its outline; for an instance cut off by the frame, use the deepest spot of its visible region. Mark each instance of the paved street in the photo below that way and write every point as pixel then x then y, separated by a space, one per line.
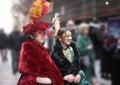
pixel 6 76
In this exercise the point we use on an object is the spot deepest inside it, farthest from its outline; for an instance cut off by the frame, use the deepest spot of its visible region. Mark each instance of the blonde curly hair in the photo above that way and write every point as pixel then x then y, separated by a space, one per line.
pixel 83 26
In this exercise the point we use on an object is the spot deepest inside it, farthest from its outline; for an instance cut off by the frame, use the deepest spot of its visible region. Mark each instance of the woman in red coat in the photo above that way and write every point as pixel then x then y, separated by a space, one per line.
pixel 35 64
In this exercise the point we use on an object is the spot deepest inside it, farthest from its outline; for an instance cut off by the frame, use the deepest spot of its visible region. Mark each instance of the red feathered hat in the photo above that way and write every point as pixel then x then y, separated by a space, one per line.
pixel 31 27
pixel 39 9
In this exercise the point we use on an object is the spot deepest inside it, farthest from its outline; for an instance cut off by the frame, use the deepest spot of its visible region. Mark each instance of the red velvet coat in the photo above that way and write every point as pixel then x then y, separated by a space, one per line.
pixel 36 62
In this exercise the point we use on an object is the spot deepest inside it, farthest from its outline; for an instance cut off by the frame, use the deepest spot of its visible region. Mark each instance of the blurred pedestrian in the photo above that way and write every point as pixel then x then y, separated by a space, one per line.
pixel 86 50
pixel 3 45
pixel 109 48
pixel 98 43
pixel 15 46
pixel 97 39
pixel 116 66
pixel 70 25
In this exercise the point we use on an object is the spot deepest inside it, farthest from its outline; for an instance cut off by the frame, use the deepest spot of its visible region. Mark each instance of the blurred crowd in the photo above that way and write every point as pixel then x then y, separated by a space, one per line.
pixel 13 42
pixel 100 51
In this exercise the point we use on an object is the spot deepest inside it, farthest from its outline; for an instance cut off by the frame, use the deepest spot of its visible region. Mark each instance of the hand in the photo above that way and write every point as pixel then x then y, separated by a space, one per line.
pixel 77 78
pixel 89 47
pixel 69 78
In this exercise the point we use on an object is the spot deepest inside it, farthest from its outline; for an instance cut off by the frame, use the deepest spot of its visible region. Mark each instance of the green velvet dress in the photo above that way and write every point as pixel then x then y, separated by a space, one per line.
pixel 81 73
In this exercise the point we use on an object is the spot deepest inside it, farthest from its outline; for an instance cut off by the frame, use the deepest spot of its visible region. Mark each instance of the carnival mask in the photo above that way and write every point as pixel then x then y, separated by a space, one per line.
pixel 67 35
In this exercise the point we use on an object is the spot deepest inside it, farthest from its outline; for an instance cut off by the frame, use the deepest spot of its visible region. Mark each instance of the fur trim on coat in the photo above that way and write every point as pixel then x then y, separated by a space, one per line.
pixel 36 62
pixel 64 65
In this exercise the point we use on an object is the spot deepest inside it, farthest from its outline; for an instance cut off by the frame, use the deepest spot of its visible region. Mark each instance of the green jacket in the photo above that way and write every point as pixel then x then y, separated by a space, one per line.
pixel 82 43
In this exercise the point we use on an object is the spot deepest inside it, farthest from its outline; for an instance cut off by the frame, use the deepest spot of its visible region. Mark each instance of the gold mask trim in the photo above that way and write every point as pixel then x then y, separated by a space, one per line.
pixel 67 35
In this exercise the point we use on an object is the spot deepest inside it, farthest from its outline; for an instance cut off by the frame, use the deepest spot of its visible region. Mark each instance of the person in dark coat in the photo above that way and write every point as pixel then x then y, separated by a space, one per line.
pixel 66 56
pixel 116 66
pixel 15 41
pixel 97 40
pixel 3 45
pixel 98 43
pixel 109 49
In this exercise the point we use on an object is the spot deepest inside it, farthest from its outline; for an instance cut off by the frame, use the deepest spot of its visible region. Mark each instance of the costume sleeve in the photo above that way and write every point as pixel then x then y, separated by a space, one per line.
pixel 28 64
pixel 62 64
pixel 57 61
pixel 26 61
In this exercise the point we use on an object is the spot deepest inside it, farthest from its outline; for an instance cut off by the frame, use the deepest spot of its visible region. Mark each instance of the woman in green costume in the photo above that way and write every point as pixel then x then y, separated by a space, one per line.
pixel 86 49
